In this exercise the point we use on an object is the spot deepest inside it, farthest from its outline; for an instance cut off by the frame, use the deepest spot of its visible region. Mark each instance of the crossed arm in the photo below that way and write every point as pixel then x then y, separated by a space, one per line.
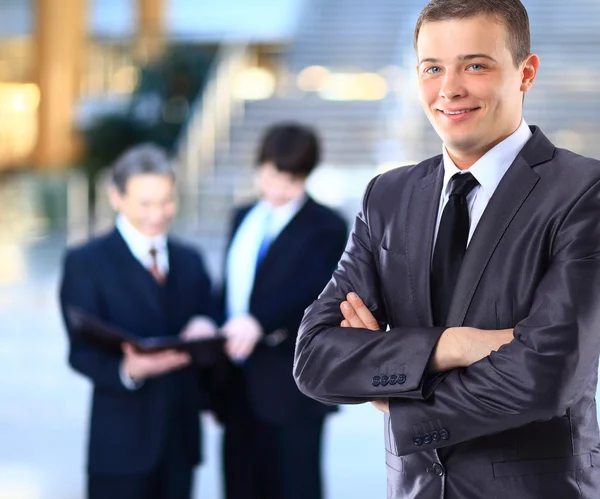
pixel 457 346
pixel 547 366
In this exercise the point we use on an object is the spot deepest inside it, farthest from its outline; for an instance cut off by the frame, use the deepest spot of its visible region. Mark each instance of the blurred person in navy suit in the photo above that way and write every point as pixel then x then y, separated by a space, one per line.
pixel 282 251
pixel 145 434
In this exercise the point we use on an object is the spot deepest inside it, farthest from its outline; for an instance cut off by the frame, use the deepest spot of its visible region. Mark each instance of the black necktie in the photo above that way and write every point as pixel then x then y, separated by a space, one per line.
pixel 450 246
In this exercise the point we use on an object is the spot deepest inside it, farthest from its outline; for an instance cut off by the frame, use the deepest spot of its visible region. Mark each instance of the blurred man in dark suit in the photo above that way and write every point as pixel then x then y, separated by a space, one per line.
pixel 283 250
pixel 144 434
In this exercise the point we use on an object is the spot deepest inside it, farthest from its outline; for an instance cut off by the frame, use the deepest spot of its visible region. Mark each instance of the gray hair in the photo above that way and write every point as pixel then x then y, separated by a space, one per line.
pixel 140 159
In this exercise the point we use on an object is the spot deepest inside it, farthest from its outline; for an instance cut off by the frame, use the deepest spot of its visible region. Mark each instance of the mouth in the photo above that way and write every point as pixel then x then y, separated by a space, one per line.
pixel 457 114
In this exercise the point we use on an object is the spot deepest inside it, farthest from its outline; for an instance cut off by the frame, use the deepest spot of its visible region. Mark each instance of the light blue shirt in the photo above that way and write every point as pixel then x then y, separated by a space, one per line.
pixel 241 260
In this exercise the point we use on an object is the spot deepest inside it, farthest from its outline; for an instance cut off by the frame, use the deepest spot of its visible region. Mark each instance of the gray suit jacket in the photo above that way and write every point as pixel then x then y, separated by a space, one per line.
pixel 519 424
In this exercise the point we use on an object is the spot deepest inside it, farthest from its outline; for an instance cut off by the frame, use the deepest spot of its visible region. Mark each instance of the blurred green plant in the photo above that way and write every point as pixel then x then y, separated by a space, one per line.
pixel 158 110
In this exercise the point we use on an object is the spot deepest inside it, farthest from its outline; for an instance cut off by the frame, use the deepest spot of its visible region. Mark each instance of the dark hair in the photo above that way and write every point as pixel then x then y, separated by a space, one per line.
pixel 140 159
pixel 511 13
pixel 291 147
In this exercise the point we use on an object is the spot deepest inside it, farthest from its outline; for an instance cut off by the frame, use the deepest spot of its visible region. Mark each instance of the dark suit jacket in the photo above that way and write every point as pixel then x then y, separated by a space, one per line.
pixel 522 421
pixel 297 266
pixel 129 428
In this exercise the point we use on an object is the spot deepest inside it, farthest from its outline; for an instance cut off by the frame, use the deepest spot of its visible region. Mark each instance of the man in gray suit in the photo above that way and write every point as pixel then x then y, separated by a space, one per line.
pixel 467 303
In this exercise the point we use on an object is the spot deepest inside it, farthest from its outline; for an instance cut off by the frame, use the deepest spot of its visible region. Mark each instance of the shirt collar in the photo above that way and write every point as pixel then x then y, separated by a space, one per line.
pixel 285 210
pixel 491 167
pixel 138 243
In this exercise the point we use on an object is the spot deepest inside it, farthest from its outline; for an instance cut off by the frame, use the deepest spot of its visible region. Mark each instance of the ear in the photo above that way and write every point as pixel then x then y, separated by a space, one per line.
pixel 115 198
pixel 529 69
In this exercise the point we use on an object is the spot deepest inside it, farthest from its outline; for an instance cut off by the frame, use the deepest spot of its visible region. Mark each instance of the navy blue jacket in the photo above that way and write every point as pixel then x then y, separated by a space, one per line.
pixel 128 429
pixel 297 266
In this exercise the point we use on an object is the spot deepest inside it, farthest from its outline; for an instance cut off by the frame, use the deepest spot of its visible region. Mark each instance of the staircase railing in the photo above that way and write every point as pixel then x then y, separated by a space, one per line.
pixel 207 131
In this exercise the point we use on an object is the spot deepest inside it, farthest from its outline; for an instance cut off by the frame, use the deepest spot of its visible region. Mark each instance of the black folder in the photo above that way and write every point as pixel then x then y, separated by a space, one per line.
pixel 205 352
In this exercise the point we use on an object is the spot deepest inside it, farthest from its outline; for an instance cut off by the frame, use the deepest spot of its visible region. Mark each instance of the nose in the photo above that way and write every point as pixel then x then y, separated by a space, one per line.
pixel 156 215
pixel 452 86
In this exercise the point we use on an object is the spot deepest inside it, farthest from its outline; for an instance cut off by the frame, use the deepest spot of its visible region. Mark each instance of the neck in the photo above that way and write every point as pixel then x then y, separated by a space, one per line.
pixel 463 162
pixel 466 159
pixel 295 199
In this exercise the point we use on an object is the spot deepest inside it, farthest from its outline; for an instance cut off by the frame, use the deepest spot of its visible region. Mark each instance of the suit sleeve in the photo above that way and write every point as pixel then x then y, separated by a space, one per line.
pixel 546 367
pixel 346 365
pixel 213 379
pixel 79 289
pixel 285 310
pixel 207 303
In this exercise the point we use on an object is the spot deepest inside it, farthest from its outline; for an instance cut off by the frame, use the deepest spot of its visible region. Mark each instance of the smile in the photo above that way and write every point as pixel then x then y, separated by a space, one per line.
pixel 462 111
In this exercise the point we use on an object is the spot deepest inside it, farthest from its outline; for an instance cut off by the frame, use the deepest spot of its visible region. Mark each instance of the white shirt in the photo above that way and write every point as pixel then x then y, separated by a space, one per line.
pixel 241 260
pixel 488 171
pixel 140 246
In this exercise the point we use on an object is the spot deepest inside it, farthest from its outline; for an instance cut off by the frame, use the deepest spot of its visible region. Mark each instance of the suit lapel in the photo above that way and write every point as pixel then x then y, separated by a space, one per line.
pixel 133 273
pixel 286 242
pixel 420 226
pixel 178 280
pixel 176 274
pixel 511 193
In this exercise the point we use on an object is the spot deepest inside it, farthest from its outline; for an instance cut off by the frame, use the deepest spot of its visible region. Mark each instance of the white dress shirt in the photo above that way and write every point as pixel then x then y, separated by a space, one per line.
pixel 140 246
pixel 488 171
pixel 241 260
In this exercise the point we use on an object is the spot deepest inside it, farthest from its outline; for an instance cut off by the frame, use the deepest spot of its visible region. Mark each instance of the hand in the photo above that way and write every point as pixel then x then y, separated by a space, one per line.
pixel 382 405
pixel 479 343
pixel 139 366
pixel 463 346
pixel 242 333
pixel 356 314
pixel 199 327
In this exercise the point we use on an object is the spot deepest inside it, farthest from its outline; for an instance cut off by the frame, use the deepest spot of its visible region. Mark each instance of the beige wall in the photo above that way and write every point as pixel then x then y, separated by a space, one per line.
pixel 60 36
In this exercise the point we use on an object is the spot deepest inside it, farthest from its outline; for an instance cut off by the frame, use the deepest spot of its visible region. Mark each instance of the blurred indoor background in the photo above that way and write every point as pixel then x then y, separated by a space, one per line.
pixel 82 80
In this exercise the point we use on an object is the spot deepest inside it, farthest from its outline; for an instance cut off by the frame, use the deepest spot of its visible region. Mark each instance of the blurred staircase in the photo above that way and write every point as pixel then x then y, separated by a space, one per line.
pixel 353 36
pixel 344 36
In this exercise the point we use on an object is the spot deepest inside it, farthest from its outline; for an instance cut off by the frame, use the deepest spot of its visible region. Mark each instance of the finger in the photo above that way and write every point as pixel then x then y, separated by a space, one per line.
pixel 249 345
pixel 196 333
pixel 229 332
pixel 179 359
pixel 174 357
pixel 363 312
pixel 160 355
pixel 350 315
pixel 232 348
pixel 237 347
pixel 127 348
pixel 344 323
pixel 380 405
pixel 169 363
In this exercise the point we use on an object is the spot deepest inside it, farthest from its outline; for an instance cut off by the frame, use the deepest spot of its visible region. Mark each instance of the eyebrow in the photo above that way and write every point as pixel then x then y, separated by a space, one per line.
pixel 467 57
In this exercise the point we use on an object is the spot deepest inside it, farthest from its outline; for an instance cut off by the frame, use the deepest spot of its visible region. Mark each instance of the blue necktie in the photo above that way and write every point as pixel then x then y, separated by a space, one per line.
pixel 265 242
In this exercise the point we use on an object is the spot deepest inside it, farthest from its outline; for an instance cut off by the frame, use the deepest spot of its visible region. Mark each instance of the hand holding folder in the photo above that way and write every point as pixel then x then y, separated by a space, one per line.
pixel 205 352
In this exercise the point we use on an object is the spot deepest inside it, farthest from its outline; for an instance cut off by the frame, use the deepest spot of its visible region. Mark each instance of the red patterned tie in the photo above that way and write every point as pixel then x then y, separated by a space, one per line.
pixel 154 268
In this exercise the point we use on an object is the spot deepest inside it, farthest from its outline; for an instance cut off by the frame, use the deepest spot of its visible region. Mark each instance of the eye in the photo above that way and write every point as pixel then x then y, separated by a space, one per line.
pixel 433 70
pixel 476 67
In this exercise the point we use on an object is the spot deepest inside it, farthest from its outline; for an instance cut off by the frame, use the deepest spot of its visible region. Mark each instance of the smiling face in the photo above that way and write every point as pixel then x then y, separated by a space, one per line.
pixel 148 203
pixel 470 87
